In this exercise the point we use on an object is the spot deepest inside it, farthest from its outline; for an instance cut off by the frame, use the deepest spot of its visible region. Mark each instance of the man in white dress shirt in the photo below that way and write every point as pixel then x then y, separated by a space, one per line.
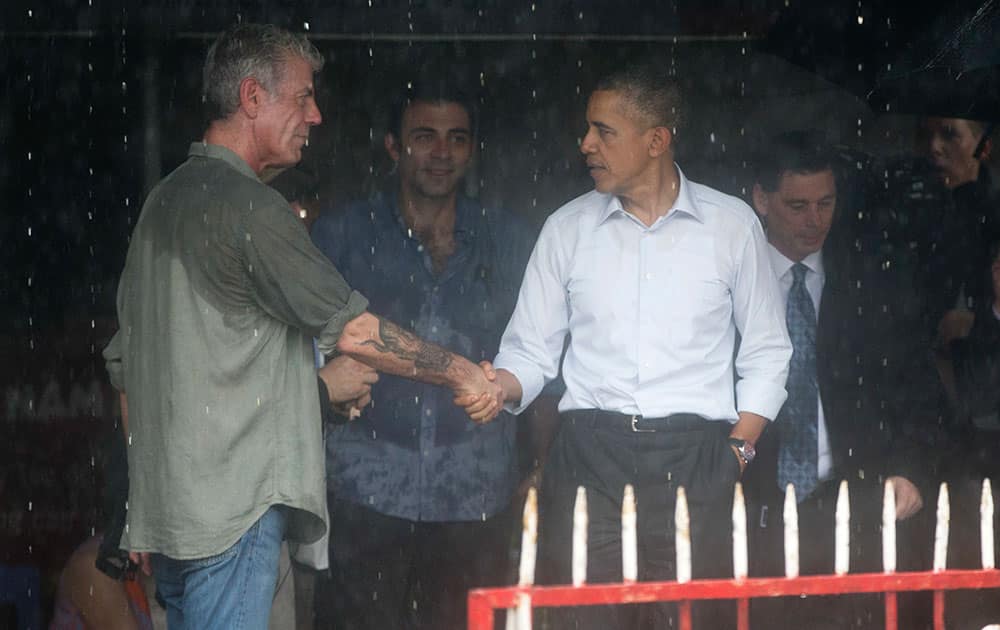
pixel 855 380
pixel 653 277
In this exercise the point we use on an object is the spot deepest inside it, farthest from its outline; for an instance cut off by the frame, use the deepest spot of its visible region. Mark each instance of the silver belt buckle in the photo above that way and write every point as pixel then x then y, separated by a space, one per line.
pixel 634 420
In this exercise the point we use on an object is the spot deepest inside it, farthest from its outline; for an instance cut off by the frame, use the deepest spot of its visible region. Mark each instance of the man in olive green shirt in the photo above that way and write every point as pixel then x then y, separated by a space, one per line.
pixel 219 302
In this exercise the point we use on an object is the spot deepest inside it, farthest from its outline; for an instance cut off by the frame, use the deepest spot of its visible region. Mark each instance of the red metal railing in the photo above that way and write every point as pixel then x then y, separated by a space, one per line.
pixel 482 602
pixel 519 600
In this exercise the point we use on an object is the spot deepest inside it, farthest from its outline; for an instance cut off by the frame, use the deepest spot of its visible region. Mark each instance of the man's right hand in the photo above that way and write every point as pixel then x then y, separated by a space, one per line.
pixel 956 324
pixel 141 560
pixel 481 396
pixel 348 382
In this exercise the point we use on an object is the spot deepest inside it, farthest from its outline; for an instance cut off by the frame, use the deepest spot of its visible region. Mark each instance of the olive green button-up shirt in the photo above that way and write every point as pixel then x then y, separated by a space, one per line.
pixel 218 304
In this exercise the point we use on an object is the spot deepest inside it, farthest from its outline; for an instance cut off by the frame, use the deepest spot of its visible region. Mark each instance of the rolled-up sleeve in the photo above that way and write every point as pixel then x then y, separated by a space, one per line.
pixel 293 281
pixel 762 361
pixel 533 341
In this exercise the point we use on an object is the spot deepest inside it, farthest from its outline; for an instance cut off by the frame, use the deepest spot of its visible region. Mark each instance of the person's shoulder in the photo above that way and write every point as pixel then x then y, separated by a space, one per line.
pixel 719 206
pixel 350 216
pixel 501 221
pixel 589 205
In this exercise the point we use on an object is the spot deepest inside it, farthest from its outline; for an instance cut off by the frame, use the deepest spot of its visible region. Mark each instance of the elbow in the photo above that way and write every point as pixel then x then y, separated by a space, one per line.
pixel 355 333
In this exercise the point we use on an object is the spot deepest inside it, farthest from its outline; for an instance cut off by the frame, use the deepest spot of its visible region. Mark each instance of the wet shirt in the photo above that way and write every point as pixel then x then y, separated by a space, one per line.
pixel 652 312
pixel 413 454
pixel 218 304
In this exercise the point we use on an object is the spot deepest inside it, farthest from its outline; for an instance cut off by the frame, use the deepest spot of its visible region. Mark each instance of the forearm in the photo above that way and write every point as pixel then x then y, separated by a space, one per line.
pixel 123 400
pixel 381 344
pixel 749 427
pixel 511 387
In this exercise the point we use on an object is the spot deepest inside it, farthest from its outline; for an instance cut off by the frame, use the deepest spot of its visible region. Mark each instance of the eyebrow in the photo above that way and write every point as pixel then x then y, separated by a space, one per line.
pixel 804 200
pixel 462 130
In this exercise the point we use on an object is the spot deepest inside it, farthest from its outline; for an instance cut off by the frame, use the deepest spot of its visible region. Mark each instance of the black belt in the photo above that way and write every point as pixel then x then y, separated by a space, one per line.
pixel 636 422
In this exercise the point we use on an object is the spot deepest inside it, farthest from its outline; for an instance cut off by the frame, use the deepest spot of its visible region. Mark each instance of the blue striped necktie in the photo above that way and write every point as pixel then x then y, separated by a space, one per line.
pixel 798 457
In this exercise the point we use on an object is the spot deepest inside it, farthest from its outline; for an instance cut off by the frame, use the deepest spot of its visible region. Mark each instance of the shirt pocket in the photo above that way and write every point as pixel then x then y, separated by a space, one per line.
pixel 696 303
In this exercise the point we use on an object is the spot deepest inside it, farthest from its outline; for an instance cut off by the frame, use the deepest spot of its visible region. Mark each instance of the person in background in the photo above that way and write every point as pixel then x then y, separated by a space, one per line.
pixel 419 497
pixel 854 381
pixel 955 246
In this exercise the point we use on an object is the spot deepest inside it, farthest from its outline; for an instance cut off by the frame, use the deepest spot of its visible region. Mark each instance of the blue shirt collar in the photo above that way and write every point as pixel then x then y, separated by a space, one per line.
pixel 467 213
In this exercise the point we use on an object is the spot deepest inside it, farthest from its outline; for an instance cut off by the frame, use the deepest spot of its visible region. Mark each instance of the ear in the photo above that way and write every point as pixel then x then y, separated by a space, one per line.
pixel 760 200
pixel 252 95
pixel 660 142
pixel 986 150
pixel 392 147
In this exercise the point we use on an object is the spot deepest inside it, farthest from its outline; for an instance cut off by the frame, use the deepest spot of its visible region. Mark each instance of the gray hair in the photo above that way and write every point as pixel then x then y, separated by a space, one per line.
pixel 250 50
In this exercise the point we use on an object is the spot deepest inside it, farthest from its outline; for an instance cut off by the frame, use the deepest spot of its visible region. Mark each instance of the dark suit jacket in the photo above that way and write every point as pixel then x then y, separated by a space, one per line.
pixel 881 395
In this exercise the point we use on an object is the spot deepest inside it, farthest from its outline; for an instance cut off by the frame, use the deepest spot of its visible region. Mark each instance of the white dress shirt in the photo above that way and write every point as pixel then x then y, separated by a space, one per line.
pixel 815 278
pixel 652 312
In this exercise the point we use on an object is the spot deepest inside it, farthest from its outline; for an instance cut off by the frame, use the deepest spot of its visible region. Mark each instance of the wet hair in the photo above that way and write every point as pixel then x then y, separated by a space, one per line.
pixel 250 50
pixel 650 90
pixel 436 89
pixel 802 152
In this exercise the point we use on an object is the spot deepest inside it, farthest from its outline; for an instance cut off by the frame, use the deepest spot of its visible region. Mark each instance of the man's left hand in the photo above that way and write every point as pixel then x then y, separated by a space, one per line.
pixel 908 499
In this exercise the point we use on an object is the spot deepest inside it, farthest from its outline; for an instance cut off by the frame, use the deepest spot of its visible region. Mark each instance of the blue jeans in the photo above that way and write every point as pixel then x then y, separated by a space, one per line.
pixel 229 591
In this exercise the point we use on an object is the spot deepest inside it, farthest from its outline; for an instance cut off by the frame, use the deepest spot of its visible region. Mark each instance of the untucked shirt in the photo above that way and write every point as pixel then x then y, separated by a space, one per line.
pixel 413 454
pixel 221 295
pixel 652 312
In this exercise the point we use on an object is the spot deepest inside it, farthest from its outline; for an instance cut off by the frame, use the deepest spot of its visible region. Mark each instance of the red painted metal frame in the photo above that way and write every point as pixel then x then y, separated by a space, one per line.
pixel 482 602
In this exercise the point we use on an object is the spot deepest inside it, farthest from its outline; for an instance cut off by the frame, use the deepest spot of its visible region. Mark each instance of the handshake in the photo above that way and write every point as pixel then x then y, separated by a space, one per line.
pixel 349 384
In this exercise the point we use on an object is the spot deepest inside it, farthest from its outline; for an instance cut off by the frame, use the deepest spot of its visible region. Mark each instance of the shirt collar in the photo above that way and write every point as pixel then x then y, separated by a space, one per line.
pixel 781 264
pixel 686 202
pixel 219 152
pixel 466 213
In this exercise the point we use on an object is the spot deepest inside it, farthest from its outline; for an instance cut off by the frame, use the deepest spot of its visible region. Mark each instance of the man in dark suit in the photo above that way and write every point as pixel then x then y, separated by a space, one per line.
pixel 854 386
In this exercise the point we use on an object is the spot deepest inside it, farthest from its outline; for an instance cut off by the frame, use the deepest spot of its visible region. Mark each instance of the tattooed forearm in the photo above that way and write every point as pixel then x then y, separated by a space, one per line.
pixel 405 345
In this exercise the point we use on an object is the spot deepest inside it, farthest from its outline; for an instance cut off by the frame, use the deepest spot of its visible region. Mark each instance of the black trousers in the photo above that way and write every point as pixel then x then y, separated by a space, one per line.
pixel 602 453
pixel 817 526
pixel 388 572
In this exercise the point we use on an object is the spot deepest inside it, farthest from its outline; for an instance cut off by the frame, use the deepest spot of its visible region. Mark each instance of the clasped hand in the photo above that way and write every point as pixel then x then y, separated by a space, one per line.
pixel 481 396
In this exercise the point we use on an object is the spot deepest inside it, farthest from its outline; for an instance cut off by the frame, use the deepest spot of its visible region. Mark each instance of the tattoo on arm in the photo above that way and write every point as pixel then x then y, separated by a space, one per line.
pixel 405 345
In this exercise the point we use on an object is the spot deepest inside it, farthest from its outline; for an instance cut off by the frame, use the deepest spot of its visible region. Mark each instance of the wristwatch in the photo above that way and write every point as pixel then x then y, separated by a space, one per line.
pixel 745 449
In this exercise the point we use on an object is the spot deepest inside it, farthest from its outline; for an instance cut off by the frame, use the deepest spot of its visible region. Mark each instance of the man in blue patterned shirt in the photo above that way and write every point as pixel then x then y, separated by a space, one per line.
pixel 418 493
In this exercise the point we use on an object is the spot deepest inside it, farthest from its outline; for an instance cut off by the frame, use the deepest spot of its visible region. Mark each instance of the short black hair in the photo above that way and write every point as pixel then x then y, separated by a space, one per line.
pixel 800 151
pixel 649 87
pixel 427 88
